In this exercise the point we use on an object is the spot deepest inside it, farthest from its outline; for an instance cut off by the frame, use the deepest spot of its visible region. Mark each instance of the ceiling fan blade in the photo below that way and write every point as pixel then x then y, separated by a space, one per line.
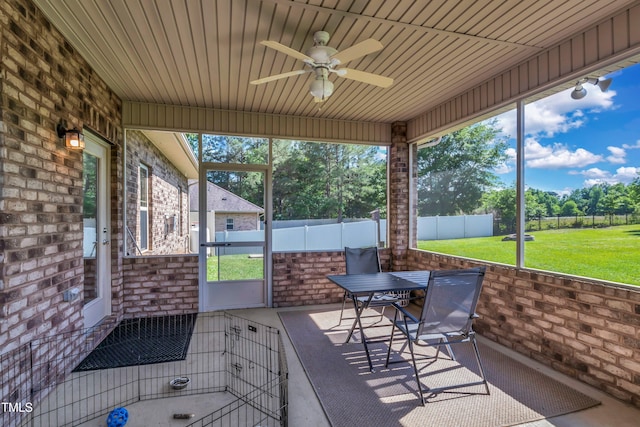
pixel 356 51
pixel 364 77
pixel 279 76
pixel 286 50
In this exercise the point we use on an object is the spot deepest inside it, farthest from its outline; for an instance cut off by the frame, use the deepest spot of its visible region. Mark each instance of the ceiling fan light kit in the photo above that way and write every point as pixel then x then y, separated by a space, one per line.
pixel 323 60
pixel 321 88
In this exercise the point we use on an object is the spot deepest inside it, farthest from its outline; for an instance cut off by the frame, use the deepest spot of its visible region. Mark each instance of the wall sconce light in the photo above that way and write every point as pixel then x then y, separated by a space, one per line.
pixel 73 138
pixel 580 92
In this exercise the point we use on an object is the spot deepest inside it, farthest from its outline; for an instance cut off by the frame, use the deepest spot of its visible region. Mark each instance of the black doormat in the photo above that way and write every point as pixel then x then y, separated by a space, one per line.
pixel 142 342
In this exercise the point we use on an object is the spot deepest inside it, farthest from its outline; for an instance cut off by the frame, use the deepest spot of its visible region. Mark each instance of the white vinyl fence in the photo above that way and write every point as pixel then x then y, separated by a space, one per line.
pixel 454 227
pixel 357 234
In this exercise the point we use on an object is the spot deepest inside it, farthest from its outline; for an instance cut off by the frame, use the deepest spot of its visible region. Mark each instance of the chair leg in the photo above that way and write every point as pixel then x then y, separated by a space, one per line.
pixel 449 351
pixel 415 370
pixel 475 348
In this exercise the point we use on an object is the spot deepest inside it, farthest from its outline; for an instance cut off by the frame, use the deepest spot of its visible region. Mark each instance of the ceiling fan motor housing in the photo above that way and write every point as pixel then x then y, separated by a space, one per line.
pixel 321 54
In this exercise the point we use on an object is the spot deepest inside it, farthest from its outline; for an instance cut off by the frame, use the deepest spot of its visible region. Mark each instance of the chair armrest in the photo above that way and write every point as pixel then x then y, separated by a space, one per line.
pixel 405 313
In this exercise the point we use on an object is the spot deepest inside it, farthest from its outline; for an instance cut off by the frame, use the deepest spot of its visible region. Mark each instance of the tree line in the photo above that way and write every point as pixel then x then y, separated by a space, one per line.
pixel 321 180
pixel 457 177
pixel 310 180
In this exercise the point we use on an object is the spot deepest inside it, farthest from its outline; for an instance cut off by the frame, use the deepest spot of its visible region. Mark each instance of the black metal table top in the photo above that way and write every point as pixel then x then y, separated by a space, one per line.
pixel 394 281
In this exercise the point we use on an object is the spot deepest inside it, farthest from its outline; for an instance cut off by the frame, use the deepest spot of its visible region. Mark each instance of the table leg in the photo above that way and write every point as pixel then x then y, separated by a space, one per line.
pixel 358 321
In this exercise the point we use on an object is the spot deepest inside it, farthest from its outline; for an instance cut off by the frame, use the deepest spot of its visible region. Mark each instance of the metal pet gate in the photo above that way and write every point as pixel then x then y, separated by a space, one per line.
pixel 227 354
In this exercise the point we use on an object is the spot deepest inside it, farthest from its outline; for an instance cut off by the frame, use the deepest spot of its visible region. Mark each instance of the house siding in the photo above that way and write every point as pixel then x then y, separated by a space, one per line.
pixel 241 222
pixel 168 199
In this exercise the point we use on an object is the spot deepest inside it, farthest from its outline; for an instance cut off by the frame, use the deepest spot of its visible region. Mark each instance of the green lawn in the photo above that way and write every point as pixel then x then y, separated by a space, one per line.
pixel 604 253
pixel 234 267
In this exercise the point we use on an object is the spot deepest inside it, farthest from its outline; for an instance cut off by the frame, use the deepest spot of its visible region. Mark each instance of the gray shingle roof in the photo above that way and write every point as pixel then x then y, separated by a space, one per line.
pixel 221 200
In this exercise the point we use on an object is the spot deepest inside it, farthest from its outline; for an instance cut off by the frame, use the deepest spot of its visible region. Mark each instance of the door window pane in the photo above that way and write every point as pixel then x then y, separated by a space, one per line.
pixel 90 225
pixel 235 218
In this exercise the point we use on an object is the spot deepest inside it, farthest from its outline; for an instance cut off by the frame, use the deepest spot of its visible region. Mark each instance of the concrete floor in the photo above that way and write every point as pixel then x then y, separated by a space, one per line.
pixel 305 409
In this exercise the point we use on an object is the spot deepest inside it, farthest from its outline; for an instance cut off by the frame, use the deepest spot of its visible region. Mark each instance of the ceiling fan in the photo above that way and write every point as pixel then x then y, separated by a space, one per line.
pixel 323 60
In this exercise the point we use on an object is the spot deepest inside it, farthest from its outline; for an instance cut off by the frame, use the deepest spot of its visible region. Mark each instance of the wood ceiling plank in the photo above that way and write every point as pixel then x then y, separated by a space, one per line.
pixel 225 51
pixel 147 39
pixel 472 19
pixel 198 31
pixel 105 47
pixel 244 54
pixel 211 53
pixel 183 51
pixel 148 45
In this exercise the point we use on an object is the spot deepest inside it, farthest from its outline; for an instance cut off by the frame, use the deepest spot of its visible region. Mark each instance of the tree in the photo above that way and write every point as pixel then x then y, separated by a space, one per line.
pixel 318 180
pixel 503 204
pixel 570 208
pixel 453 175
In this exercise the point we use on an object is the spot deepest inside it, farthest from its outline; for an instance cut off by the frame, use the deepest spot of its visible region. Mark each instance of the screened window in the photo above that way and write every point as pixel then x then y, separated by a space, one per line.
pixel 325 195
pixel 581 201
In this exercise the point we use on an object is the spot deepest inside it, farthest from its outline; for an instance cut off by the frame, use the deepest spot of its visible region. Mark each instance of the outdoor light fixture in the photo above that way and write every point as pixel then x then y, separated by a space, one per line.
pixel 580 92
pixel 73 138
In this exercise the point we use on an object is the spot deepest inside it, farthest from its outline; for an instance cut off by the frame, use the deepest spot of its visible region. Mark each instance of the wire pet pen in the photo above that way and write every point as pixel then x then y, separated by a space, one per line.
pixel 227 355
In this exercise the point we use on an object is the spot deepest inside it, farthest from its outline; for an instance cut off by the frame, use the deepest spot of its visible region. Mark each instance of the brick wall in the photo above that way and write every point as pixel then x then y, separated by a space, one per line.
pixel 399 168
pixel 299 278
pixel 168 197
pixel 44 82
pixel 160 285
pixel 585 329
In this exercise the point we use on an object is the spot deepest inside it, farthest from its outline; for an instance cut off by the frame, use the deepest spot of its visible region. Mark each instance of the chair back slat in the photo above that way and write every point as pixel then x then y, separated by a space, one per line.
pixel 362 260
pixel 450 301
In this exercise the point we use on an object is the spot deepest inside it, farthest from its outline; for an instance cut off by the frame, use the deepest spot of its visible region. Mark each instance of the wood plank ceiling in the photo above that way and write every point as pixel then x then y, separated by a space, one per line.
pixel 204 53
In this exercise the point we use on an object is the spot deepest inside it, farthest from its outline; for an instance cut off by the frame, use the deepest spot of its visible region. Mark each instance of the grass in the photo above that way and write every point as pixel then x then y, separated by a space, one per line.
pixel 603 253
pixel 235 267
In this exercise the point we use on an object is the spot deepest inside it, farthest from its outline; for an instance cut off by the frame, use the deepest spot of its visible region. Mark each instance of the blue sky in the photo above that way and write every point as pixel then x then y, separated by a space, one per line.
pixel 571 143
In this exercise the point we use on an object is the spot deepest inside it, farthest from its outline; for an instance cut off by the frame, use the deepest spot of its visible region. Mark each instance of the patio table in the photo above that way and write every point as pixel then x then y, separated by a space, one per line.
pixel 367 285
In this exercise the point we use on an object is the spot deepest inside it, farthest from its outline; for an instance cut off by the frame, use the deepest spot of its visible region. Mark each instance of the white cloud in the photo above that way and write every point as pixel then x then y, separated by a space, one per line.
pixel 627 174
pixel 618 155
pixel 556 156
pixel 594 173
pixel 631 147
pixel 598 176
pixel 558 113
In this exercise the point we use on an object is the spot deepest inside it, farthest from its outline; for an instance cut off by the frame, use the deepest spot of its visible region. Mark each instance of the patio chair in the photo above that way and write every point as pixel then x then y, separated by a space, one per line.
pixel 365 261
pixel 446 319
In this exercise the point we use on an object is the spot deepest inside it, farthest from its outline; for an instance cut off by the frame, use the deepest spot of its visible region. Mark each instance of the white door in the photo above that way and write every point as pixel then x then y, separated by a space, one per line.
pixel 232 231
pixel 96 243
